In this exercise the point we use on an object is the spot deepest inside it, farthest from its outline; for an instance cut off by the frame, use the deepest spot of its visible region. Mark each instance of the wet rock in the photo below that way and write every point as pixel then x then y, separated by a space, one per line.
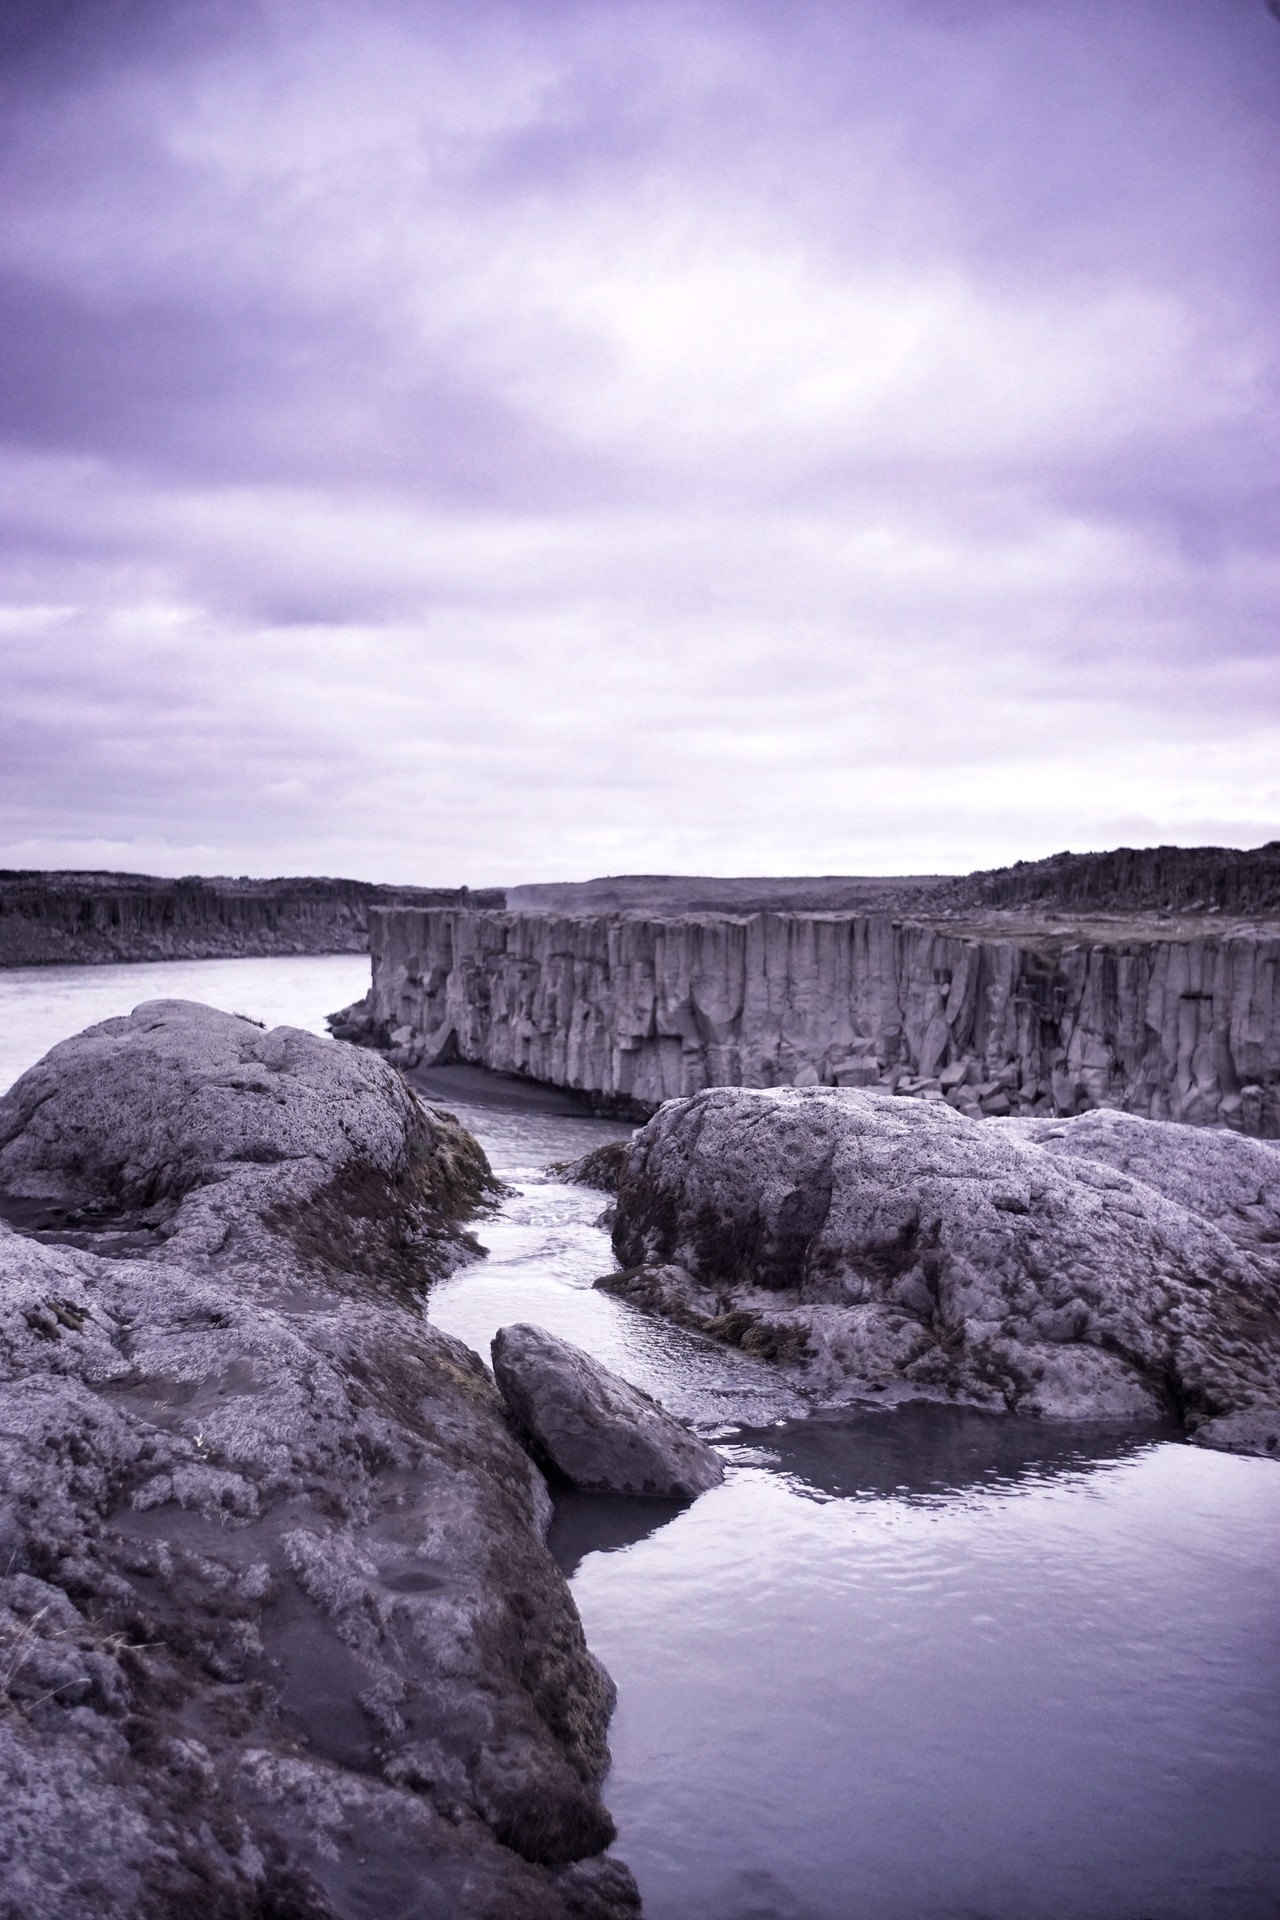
pixel 277 1624
pixel 601 1169
pixel 596 1431
pixel 359 1025
pixel 1097 1268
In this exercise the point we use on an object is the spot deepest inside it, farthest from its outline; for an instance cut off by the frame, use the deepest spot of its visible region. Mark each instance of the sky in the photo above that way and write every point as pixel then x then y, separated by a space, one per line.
pixel 488 442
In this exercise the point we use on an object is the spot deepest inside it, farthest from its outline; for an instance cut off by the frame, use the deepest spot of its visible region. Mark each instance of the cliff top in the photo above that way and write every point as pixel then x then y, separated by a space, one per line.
pixel 1103 890
pixel 26 882
pixel 1112 894
pixel 661 893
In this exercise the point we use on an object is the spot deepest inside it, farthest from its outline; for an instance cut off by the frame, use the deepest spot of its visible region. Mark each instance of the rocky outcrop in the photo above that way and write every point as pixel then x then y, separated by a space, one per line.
pixel 1181 1023
pixel 278 1630
pixel 1136 880
pixel 1103 1267
pixel 592 1429
pixel 1125 880
pixel 97 917
pixel 663 894
pixel 601 1168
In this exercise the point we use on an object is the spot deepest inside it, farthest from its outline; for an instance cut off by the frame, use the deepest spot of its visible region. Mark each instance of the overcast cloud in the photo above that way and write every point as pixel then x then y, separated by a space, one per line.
pixel 511 442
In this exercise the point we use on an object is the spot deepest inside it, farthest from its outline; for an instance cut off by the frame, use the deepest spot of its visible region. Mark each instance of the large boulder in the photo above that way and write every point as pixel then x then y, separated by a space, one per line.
pixel 278 1630
pixel 592 1429
pixel 1080 1269
pixel 179 1124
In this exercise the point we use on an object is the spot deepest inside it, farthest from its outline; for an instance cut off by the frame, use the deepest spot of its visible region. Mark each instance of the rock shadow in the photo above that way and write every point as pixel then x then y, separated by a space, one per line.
pixel 926 1452
pixel 586 1523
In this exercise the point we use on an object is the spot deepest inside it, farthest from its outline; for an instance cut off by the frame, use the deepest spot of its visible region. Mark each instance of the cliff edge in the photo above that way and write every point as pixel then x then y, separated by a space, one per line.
pixel 92 918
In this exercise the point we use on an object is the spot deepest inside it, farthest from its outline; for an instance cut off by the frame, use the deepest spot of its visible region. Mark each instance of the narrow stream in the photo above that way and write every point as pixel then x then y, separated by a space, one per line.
pixel 928 1665
pixel 911 1666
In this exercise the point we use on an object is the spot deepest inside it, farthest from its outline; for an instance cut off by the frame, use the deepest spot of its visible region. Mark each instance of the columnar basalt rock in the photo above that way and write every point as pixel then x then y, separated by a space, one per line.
pixel 278 1630
pixel 1078 1269
pixel 89 918
pixel 1180 1024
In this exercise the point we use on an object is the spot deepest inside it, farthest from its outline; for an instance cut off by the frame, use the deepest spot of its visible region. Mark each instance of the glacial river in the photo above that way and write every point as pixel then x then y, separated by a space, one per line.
pixel 912 1666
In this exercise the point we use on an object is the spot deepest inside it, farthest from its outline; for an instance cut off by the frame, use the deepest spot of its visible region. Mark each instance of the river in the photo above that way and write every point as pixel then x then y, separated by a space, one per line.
pixel 911 1666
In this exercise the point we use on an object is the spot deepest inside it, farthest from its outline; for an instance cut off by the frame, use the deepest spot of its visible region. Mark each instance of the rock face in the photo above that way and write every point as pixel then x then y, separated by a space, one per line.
pixel 1138 879
pixel 278 1632
pixel 1181 1023
pixel 95 917
pixel 593 1429
pixel 1100 1267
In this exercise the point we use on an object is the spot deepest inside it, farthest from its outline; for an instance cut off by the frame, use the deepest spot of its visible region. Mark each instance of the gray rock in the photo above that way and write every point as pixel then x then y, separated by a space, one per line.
pixel 597 1431
pixel 601 1169
pixel 1224 1177
pixel 277 1624
pixel 892 1247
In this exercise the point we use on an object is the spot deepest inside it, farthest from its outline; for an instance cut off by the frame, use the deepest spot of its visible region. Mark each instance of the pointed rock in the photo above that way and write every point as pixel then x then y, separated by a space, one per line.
pixel 598 1432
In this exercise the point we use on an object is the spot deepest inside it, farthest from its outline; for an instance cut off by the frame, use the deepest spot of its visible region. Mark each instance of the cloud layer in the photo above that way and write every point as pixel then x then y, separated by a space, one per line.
pixel 514 442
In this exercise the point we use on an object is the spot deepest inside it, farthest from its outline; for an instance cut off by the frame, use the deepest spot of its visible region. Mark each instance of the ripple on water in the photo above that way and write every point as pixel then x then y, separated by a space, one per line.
pixel 1053 1697
pixel 923 1665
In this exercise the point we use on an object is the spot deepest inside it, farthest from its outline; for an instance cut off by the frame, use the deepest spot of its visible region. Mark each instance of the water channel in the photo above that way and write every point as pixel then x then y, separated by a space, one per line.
pixel 917 1666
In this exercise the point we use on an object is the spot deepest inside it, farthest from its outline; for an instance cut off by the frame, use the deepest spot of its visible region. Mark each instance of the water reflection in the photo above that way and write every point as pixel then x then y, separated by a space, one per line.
pixel 502 1092
pixel 586 1523
pixel 930 1452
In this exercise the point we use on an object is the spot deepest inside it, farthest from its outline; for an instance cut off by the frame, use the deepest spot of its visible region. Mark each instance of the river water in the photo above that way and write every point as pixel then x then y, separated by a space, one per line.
pixel 911 1666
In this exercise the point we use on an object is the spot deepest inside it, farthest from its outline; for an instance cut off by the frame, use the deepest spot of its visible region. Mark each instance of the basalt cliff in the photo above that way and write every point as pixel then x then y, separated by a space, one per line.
pixel 1147 982
pixel 87 918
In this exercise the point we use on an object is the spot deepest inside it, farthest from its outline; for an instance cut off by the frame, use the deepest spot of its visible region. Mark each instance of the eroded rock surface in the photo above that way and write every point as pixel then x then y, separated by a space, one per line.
pixel 278 1631
pixel 1104 1266
pixel 596 1431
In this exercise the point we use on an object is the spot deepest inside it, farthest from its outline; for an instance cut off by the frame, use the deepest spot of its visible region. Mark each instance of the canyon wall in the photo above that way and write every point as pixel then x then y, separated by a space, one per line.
pixel 83 918
pixel 1181 1024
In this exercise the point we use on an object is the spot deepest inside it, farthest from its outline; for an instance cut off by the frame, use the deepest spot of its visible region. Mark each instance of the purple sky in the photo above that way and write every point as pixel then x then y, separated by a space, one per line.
pixel 479 442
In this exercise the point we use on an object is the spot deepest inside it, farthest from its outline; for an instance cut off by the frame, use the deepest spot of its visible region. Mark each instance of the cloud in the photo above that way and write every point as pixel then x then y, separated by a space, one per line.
pixel 515 442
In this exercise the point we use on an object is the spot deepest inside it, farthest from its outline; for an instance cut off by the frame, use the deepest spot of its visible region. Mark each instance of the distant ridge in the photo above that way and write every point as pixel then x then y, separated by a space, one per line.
pixel 88 918
pixel 680 893
pixel 1139 880
pixel 1122 880
pixel 85 917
